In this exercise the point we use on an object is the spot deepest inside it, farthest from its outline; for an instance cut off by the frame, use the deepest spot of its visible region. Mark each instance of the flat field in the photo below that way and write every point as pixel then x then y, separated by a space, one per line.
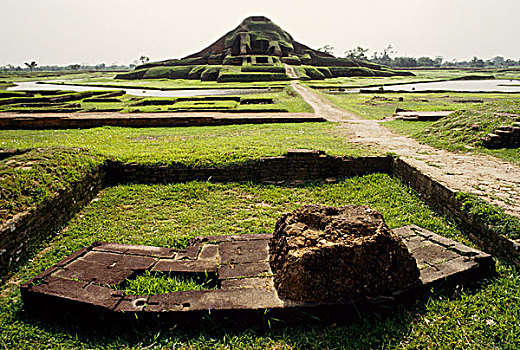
pixel 483 317
pixel 420 76
pixel 195 146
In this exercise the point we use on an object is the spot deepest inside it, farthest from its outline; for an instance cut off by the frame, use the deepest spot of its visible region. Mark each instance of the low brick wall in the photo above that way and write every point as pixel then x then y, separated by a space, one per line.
pixel 19 234
pixel 297 165
pixel 85 121
pixel 444 200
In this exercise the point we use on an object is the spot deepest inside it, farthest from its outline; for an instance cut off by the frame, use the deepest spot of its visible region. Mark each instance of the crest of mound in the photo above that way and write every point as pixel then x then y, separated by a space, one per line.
pixel 337 253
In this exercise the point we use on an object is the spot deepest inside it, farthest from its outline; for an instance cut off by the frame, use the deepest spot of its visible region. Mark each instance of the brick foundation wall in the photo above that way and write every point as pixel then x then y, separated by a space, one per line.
pixel 443 199
pixel 133 121
pixel 19 234
pixel 26 229
pixel 297 165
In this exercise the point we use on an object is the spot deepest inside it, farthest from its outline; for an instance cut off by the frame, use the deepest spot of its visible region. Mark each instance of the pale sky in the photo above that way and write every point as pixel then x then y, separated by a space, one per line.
pixel 120 31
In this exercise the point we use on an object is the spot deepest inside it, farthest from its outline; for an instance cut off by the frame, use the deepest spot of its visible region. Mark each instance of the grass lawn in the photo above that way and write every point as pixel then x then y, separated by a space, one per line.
pixel 196 146
pixel 174 84
pixel 286 100
pixel 476 116
pixel 62 75
pixel 167 215
pixel 420 76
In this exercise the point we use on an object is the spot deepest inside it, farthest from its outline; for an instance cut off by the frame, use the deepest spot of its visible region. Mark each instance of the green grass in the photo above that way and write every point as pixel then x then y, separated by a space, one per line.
pixel 420 76
pixel 64 75
pixel 284 101
pixel 196 146
pixel 498 221
pixel 374 106
pixel 176 84
pixel 152 283
pixel 482 318
pixel 462 131
pixel 28 179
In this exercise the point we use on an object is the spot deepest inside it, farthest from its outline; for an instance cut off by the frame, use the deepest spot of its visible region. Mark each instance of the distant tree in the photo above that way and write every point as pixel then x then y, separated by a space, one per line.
pixel 404 62
pixel 438 61
pixel 144 59
pixel 75 66
pixel 359 53
pixel 425 62
pixel 385 56
pixel 327 49
pixel 31 65
pixel 477 62
pixel 498 61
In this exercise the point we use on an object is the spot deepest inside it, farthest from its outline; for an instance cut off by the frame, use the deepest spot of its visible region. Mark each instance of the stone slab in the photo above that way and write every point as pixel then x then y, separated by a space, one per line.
pixel 245 281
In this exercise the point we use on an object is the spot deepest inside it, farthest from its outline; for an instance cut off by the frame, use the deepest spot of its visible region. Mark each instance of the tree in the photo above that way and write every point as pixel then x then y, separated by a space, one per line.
pixel 404 62
pixel 477 62
pixel 144 59
pixel 327 49
pixel 384 57
pixel 425 62
pixel 31 65
pixel 359 53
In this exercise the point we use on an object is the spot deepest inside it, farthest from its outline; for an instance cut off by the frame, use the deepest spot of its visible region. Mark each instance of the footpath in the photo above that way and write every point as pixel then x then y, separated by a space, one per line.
pixel 490 178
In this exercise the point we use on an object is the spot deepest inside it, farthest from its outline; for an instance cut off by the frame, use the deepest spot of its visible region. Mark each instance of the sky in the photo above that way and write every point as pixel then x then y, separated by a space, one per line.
pixel 120 31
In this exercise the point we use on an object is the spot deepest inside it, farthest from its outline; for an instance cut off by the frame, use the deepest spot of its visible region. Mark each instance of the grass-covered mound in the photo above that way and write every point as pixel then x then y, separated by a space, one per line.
pixel 259 46
pixel 468 127
pixel 28 179
pixel 475 115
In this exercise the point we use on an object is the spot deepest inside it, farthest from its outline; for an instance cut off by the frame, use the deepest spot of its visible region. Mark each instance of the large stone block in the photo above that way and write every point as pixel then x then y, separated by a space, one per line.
pixel 328 253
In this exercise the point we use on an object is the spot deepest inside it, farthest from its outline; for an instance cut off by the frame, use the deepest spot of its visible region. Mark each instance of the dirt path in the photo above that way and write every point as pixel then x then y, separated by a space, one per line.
pixel 486 176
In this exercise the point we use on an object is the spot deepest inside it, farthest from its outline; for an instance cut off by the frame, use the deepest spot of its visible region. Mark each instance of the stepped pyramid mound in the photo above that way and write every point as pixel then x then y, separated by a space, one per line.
pixel 256 51
pixel 257 35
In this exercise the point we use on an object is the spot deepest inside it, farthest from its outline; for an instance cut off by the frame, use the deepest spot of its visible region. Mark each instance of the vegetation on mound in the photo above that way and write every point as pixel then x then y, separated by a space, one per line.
pixel 193 146
pixel 498 221
pixel 475 115
pixel 28 179
pixel 464 130
pixel 480 318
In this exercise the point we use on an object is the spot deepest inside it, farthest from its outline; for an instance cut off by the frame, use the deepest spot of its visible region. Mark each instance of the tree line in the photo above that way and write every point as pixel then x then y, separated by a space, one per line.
pixel 388 57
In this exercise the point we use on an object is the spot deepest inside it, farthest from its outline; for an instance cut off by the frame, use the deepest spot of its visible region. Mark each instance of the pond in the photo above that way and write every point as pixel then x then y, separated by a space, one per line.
pixel 31 85
pixel 491 85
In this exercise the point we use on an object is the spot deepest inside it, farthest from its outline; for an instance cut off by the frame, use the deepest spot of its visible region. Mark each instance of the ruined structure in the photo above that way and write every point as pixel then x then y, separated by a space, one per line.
pixel 256 51
pixel 328 253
